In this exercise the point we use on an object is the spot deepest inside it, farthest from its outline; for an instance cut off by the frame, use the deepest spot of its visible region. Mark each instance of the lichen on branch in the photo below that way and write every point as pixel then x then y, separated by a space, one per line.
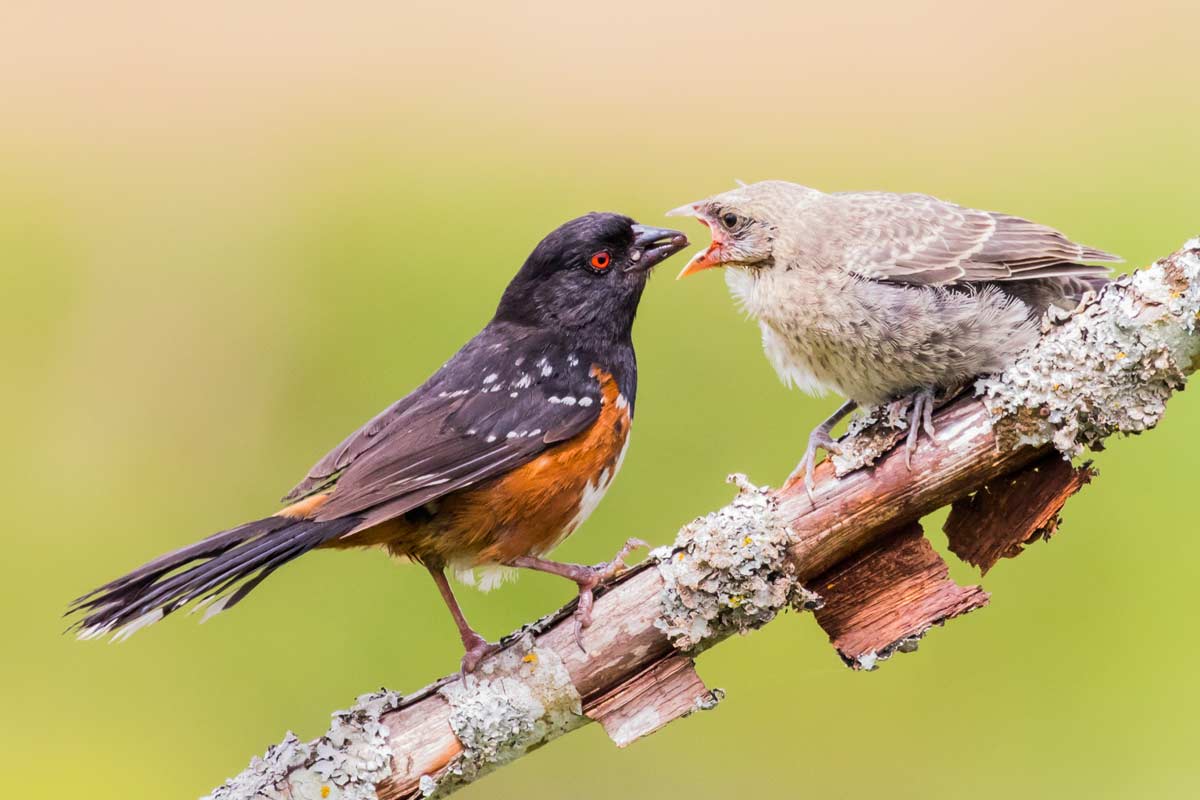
pixel 728 571
pixel 1107 367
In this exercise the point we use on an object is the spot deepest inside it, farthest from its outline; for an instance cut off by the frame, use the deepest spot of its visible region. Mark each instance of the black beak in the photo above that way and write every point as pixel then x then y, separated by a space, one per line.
pixel 652 245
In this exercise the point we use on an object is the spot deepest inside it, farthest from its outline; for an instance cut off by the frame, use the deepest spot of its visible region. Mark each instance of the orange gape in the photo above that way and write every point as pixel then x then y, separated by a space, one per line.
pixel 526 511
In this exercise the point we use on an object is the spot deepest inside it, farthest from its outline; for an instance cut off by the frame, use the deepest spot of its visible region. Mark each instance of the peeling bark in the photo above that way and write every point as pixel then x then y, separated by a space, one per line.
pixel 1107 368
pixel 883 600
pixel 1005 515
pixel 660 694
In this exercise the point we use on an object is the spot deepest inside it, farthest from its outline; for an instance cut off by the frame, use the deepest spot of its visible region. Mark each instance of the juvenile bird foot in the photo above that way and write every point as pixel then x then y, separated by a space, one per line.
pixel 585 577
pixel 820 438
pixel 921 416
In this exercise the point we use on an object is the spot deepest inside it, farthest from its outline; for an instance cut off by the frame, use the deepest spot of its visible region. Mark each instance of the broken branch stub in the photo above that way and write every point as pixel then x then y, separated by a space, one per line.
pixel 1007 514
pixel 885 599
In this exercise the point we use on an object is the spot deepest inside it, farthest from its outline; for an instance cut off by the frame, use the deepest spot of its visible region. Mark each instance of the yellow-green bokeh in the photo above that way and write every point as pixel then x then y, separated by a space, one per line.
pixel 229 235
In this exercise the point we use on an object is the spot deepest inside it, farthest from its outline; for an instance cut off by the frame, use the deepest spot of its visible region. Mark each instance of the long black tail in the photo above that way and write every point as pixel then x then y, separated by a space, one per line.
pixel 217 572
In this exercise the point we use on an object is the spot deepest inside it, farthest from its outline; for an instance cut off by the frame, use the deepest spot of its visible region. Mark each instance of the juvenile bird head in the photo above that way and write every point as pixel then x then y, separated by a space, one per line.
pixel 744 223
pixel 588 274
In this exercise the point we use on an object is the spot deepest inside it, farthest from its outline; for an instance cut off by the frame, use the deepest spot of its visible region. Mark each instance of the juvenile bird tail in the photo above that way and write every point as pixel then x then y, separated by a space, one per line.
pixel 217 572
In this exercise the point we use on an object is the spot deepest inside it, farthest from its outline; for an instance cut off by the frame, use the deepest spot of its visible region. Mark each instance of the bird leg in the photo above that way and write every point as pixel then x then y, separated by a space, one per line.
pixel 585 577
pixel 477 648
pixel 820 437
pixel 921 416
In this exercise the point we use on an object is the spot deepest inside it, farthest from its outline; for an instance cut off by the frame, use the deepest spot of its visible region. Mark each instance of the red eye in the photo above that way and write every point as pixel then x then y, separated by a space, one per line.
pixel 600 260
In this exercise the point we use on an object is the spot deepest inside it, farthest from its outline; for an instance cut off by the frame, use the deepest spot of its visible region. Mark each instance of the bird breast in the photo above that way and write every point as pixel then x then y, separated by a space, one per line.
pixel 825 329
pixel 800 327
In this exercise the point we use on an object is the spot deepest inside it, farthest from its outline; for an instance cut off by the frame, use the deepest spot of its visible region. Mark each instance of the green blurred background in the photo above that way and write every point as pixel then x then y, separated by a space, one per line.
pixel 229 235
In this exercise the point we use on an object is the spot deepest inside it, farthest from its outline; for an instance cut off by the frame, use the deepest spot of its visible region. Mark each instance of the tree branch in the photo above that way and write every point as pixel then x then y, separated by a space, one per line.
pixel 857 556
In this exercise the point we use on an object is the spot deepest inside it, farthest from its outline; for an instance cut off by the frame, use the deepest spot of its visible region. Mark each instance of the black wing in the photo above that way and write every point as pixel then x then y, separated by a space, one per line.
pixel 507 396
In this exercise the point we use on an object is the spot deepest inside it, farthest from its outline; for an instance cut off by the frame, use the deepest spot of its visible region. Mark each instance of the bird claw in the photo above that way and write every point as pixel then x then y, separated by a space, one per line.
pixel 920 418
pixel 477 649
pixel 819 438
pixel 591 577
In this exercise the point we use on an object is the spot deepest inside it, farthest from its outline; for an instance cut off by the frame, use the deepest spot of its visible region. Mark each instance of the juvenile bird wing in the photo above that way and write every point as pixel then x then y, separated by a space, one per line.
pixel 915 238
pixel 500 402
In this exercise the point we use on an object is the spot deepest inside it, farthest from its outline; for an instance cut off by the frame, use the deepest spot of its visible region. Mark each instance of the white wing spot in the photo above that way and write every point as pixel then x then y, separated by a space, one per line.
pixel 584 402
pixel 511 435
pixel 491 378
pixel 553 399
pixel 568 401
pixel 547 371
pixel 491 437
pixel 514 394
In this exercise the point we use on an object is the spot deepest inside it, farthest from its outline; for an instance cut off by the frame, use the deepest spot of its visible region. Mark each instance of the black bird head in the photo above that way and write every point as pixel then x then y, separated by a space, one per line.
pixel 587 276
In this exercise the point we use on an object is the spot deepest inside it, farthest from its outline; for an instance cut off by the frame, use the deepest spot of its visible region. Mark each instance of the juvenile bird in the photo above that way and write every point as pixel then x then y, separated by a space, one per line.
pixel 880 296
pixel 493 461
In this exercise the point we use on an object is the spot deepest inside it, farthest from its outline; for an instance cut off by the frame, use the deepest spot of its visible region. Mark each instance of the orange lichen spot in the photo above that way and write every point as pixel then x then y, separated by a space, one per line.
pixel 749 540
pixel 530 658
pixel 736 601
pixel 324 791
pixel 1120 356
pixel 679 556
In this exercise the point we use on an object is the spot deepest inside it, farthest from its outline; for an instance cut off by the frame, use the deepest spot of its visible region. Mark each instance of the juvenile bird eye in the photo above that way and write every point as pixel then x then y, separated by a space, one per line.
pixel 729 220
pixel 600 260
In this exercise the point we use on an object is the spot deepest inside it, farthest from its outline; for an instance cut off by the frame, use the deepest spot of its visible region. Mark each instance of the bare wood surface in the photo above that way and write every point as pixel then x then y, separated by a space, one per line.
pixel 1015 510
pixel 737 568
pixel 662 693
pixel 884 599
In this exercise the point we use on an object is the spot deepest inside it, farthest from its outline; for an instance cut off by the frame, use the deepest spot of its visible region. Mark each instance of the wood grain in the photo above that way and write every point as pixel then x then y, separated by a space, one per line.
pixel 1008 513
pixel 882 600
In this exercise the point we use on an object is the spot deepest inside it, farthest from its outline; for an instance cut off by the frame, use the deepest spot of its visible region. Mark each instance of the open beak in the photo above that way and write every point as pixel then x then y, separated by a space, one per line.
pixel 710 257
pixel 652 245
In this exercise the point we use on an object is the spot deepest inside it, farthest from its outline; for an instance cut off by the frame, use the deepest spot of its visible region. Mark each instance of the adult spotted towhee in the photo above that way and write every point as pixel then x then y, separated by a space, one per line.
pixel 492 462
pixel 880 296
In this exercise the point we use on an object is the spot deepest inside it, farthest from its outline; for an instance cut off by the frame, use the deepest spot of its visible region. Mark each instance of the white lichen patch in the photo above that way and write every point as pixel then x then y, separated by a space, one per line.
pixel 510 705
pixel 344 764
pixel 728 571
pixel 872 432
pixel 1109 367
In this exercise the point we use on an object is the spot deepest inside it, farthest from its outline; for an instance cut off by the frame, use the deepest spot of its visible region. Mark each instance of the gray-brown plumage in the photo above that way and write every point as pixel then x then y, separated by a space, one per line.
pixel 880 296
